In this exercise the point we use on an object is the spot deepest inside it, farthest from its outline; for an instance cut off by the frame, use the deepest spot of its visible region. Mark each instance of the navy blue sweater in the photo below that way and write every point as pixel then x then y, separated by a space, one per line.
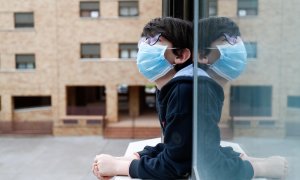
pixel 173 158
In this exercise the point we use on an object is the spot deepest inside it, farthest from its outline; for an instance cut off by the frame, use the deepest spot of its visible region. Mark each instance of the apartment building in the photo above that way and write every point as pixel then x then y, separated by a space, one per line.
pixel 265 100
pixel 68 66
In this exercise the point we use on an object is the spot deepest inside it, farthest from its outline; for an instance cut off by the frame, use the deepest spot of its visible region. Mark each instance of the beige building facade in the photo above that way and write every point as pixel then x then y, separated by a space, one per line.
pixel 84 66
pixel 77 63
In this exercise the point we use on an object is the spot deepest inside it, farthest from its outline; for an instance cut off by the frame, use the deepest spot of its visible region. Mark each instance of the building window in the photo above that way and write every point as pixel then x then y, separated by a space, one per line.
pixel 25 61
pixel 247 7
pixel 127 51
pixel 86 100
pixel 213 8
pixel 89 9
pixel 251 48
pixel 294 101
pixel 24 20
pixel 128 8
pixel 24 102
pixel 251 101
pixel 90 50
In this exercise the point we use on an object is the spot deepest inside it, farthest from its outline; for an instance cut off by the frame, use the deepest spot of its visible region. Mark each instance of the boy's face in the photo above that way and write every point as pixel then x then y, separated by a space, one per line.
pixel 169 55
pixel 155 58
pixel 214 54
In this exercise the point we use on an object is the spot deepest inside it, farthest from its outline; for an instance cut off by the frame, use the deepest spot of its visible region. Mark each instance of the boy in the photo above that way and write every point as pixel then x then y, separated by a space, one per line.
pixel 164 57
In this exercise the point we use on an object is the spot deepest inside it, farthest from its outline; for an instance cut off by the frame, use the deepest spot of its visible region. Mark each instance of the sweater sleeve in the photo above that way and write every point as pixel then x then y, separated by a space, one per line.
pixel 216 163
pixel 174 161
pixel 152 151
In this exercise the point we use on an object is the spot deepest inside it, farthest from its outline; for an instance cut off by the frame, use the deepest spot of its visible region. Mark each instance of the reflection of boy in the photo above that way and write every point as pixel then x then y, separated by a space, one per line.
pixel 223 57
pixel 165 57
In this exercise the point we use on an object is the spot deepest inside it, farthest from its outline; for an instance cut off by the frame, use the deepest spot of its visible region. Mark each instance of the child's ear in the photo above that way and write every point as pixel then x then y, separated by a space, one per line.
pixel 184 55
pixel 203 59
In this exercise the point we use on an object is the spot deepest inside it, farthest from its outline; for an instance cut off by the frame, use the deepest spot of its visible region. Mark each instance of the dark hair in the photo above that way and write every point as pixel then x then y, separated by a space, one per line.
pixel 179 32
pixel 212 28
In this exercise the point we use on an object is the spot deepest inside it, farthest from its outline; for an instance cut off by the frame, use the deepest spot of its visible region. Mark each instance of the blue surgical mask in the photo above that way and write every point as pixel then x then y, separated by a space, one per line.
pixel 151 61
pixel 232 61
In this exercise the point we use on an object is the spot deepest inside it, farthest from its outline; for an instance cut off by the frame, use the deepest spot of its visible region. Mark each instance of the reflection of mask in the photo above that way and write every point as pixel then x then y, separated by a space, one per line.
pixel 232 61
pixel 151 61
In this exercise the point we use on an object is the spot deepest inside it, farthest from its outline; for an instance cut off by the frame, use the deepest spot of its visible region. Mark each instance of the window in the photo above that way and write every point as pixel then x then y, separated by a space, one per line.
pixel 251 101
pixel 251 48
pixel 127 51
pixel 90 50
pixel 24 20
pixel 128 8
pixel 89 9
pixel 25 61
pixel 247 7
pixel 23 102
pixel 294 101
pixel 213 8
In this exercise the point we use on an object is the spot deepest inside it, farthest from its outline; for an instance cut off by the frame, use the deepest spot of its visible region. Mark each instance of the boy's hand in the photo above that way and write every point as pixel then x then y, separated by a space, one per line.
pixel 111 166
pixel 95 170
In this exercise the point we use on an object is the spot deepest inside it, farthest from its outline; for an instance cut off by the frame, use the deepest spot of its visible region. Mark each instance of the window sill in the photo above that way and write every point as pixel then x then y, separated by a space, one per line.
pixel 106 59
pixel 17 70
pixel 25 70
pixel 33 109
pixel 90 18
pixel 248 16
pixel 109 18
pixel 89 59
pixel 24 29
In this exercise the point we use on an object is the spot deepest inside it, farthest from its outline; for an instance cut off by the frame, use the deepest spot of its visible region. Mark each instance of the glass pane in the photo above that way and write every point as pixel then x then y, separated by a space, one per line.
pixel 24 17
pixel 124 11
pixel 247 7
pixel 124 54
pixel 294 101
pixel 92 6
pixel 133 53
pixel 24 20
pixel 21 66
pixel 94 14
pixel 25 58
pixel 250 101
pixel 212 7
pixel 90 50
pixel 251 48
pixel 133 11
pixel 30 66
pixel 128 8
pixel 259 108
pixel 128 50
pixel 247 4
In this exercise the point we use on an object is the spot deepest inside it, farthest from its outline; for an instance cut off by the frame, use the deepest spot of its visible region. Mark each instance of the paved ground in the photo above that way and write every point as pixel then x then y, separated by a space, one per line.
pixel 64 158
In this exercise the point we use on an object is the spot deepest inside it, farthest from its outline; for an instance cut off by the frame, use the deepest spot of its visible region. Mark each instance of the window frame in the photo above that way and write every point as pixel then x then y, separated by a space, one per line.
pixel 256 9
pixel 129 50
pixel 20 26
pixel 128 7
pixel 253 46
pixel 216 7
pixel 255 105
pixel 25 69
pixel 81 49
pixel 89 11
pixel 291 101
